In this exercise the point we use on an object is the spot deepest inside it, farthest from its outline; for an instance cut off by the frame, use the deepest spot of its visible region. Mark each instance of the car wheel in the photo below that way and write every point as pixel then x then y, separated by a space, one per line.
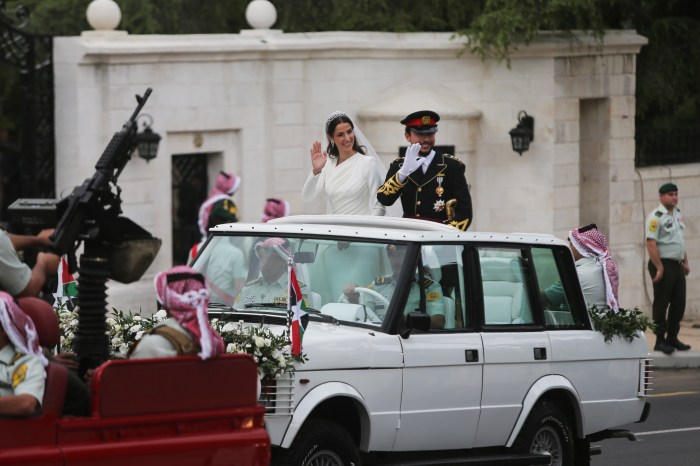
pixel 319 443
pixel 547 431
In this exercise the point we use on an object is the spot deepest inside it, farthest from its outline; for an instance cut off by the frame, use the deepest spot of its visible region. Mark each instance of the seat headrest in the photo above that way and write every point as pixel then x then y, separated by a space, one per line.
pixel 500 269
pixel 44 318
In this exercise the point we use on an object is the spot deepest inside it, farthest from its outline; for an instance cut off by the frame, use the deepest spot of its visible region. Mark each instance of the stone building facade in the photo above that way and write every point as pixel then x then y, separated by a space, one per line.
pixel 254 102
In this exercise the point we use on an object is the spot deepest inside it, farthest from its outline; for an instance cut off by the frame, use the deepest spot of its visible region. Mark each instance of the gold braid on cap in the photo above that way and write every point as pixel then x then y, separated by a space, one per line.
pixel 332 117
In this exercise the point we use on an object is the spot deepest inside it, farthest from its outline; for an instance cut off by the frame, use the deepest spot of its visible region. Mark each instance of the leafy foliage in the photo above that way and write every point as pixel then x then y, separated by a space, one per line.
pixel 506 24
pixel 626 323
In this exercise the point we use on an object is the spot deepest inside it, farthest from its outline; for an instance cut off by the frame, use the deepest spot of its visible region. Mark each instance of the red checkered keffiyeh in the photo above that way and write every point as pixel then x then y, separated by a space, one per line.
pixel 185 298
pixel 19 328
pixel 590 242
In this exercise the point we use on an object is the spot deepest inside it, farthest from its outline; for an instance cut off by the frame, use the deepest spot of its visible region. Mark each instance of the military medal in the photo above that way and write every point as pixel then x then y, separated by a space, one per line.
pixel 439 190
pixel 439 205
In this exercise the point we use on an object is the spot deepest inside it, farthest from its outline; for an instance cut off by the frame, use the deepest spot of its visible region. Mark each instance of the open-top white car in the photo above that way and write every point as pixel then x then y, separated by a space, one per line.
pixel 427 345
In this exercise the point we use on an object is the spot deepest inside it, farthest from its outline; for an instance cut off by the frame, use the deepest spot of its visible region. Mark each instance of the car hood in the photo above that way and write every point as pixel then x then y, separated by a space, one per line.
pixel 331 346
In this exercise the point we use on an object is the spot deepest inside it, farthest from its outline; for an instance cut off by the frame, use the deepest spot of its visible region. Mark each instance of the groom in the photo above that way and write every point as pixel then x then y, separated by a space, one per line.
pixel 432 186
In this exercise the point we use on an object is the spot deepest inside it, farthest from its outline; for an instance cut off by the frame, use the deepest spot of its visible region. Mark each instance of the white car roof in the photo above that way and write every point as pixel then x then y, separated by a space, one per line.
pixel 384 228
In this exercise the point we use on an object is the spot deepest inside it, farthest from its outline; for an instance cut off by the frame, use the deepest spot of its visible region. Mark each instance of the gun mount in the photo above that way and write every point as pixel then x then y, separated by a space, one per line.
pixel 113 246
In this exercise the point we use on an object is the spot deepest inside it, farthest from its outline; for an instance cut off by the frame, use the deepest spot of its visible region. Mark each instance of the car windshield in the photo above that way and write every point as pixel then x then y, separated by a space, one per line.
pixel 351 281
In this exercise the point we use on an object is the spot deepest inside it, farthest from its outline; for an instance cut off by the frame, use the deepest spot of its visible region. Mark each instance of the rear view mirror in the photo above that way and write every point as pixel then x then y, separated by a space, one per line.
pixel 304 257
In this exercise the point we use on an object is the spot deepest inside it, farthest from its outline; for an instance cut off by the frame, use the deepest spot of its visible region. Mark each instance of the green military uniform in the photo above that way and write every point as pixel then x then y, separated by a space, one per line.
pixel 386 285
pixel 667 229
pixel 21 373
pixel 260 291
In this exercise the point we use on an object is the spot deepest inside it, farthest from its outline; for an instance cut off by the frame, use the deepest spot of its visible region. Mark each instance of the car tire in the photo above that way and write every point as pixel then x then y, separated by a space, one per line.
pixel 319 443
pixel 547 430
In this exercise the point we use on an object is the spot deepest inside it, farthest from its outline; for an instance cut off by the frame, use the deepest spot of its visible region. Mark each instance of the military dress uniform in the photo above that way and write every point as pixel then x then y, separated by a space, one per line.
pixel 440 193
pixel 21 373
pixel 670 292
pixel 428 195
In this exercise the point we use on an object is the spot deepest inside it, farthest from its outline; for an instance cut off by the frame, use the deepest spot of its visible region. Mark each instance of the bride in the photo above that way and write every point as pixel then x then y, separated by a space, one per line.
pixel 348 171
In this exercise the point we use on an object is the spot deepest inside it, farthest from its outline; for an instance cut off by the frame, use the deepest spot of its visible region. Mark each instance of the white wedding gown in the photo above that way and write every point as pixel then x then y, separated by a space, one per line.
pixel 350 188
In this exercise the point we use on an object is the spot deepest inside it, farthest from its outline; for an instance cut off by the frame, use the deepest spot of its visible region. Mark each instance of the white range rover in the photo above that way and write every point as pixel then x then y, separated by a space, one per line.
pixel 427 345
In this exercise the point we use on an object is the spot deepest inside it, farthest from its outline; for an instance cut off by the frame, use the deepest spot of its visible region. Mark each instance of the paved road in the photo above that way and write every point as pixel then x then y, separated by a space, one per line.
pixel 670 434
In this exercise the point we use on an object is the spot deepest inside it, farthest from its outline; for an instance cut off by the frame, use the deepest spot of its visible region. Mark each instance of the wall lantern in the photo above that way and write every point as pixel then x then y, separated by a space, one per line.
pixel 147 140
pixel 522 135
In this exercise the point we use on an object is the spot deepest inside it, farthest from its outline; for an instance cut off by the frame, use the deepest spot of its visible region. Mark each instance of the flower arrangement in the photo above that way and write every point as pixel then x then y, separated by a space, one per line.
pixel 626 323
pixel 270 351
pixel 123 329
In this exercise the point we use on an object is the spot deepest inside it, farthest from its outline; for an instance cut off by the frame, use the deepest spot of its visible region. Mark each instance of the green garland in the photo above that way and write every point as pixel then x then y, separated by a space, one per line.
pixel 626 323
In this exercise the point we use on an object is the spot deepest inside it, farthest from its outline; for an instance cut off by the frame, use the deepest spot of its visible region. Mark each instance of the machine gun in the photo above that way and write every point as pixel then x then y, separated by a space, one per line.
pixel 114 246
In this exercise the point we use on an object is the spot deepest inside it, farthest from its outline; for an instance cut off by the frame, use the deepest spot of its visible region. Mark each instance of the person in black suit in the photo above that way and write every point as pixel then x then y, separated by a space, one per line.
pixel 432 186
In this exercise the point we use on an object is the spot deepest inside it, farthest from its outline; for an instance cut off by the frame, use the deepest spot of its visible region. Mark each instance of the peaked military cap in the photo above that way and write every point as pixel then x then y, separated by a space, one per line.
pixel 423 121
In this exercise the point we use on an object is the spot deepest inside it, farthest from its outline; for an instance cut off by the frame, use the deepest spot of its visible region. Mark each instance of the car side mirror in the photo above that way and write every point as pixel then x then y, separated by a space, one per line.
pixel 418 321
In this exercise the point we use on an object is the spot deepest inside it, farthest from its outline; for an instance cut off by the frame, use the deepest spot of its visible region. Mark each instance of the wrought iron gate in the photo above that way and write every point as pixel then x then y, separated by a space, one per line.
pixel 189 190
pixel 32 57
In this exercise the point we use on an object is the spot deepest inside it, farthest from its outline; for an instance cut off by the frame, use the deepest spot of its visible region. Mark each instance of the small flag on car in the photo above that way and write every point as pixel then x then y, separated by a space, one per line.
pixel 297 309
pixel 67 286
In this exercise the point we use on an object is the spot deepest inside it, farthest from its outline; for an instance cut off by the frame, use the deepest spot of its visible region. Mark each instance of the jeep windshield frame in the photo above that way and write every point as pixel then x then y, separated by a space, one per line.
pixel 325 266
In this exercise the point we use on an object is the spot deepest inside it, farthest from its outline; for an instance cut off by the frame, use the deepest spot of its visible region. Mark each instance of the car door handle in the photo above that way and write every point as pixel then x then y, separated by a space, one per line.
pixel 540 353
pixel 471 355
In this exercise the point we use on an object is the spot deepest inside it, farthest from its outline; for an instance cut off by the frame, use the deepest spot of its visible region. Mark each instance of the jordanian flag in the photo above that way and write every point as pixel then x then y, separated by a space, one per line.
pixel 67 286
pixel 297 309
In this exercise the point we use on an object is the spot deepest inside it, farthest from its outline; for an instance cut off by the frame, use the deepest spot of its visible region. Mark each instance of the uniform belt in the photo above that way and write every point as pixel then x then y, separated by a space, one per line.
pixel 675 261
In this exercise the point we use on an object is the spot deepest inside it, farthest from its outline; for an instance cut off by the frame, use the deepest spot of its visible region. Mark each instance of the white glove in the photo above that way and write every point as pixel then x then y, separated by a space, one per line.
pixel 411 162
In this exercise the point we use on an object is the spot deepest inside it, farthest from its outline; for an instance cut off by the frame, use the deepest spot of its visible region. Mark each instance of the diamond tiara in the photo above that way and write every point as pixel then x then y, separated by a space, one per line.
pixel 332 117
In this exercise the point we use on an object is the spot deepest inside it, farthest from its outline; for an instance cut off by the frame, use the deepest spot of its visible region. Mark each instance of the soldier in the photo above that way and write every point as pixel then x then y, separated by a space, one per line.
pixel 435 306
pixel 22 363
pixel 668 267
pixel 272 286
pixel 183 294
pixel 432 186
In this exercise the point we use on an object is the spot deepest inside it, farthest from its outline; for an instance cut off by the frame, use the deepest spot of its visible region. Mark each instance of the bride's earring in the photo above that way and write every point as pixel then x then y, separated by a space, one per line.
pixel 332 145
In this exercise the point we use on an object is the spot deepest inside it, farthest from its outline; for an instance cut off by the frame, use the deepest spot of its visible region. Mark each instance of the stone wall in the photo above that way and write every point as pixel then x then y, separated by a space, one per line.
pixel 254 102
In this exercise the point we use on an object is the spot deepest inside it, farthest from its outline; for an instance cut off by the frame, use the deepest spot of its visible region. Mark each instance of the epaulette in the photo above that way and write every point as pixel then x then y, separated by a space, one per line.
pixel 427 282
pixel 450 156
pixel 254 282
pixel 383 280
pixel 658 214
pixel 16 357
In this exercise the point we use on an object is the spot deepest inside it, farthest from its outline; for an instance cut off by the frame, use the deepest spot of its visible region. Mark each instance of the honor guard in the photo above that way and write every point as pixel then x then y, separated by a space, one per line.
pixel 431 185
pixel 668 267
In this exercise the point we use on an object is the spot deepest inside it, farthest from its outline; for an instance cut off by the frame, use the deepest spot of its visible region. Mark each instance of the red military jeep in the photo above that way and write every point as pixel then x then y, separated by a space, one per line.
pixel 166 411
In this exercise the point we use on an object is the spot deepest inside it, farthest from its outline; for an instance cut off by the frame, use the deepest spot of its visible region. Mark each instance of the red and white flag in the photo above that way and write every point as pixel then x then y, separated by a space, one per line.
pixel 297 308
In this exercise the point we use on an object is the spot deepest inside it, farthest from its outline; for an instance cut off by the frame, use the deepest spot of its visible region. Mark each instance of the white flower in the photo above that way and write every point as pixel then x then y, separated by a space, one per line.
pixel 229 327
pixel 139 335
pixel 111 322
pixel 162 314
pixel 259 342
pixel 231 348
pixel 137 317
pixel 268 342
pixel 135 328
pixel 123 348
